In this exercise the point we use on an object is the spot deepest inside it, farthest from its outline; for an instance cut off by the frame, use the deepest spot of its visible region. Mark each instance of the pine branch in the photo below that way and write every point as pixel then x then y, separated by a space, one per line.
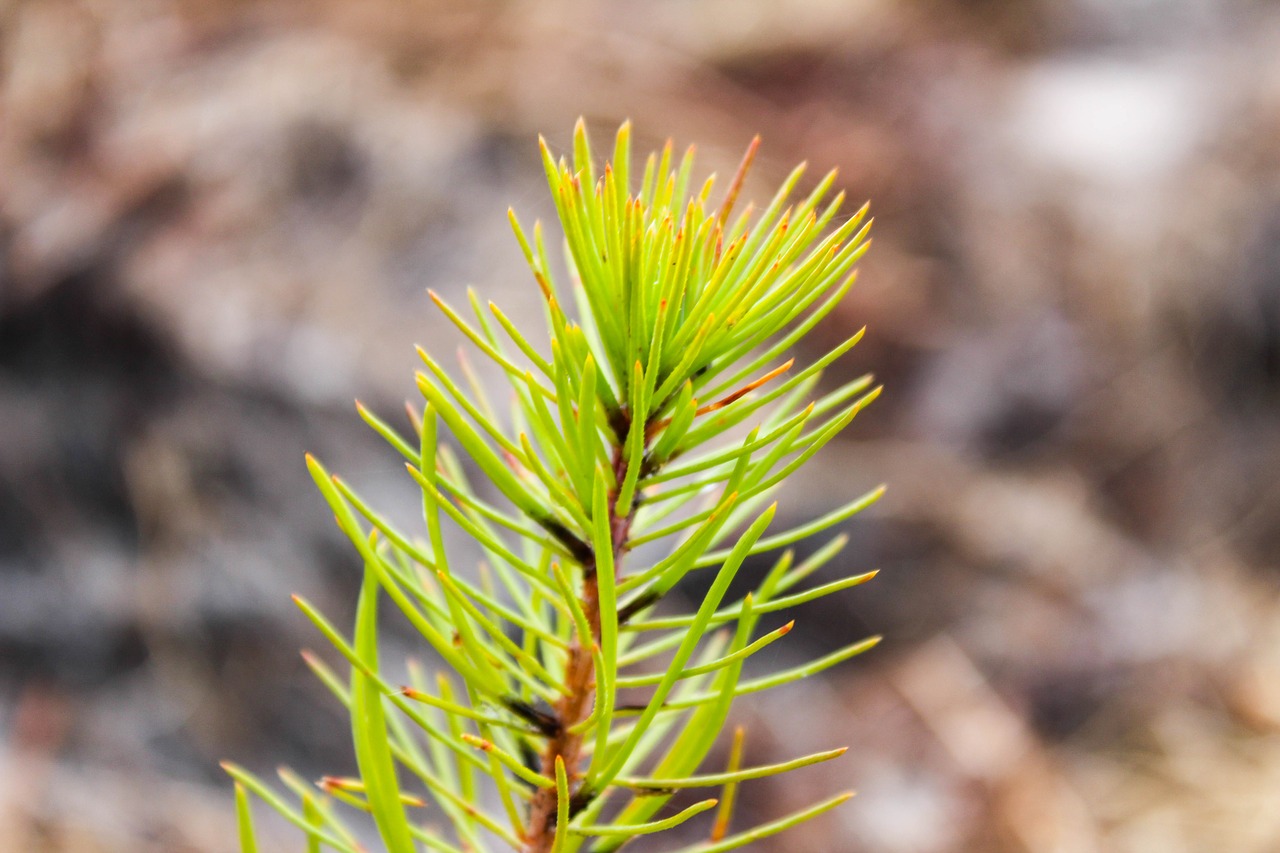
pixel 684 313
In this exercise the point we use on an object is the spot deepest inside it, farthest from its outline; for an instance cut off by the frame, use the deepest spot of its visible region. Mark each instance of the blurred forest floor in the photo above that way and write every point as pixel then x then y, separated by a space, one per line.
pixel 217 223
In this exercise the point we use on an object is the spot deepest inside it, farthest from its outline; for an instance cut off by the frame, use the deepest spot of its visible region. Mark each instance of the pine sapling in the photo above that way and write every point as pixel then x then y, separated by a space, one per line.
pixel 659 415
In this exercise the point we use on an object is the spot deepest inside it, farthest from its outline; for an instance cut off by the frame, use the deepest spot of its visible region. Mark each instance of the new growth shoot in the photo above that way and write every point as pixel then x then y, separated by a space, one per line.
pixel 659 410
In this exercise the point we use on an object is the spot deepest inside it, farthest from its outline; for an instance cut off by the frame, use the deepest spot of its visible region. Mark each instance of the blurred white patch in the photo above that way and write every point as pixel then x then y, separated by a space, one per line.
pixel 315 366
pixel 901 812
pixel 1110 122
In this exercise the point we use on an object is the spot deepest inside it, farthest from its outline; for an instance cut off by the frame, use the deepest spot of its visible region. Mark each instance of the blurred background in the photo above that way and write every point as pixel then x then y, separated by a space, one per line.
pixel 218 219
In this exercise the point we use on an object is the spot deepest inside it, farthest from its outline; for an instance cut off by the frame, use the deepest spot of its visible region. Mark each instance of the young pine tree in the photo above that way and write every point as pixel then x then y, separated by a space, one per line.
pixel 569 708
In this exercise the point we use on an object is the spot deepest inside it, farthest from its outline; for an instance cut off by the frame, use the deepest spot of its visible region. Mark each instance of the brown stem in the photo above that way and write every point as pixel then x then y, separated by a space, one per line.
pixel 579 679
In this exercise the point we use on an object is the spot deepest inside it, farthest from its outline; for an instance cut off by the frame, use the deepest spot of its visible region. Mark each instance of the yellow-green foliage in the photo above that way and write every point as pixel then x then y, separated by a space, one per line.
pixel 678 318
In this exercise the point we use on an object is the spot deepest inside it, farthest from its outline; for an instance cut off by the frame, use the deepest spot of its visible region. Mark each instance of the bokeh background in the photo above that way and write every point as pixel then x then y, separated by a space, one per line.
pixel 218 219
